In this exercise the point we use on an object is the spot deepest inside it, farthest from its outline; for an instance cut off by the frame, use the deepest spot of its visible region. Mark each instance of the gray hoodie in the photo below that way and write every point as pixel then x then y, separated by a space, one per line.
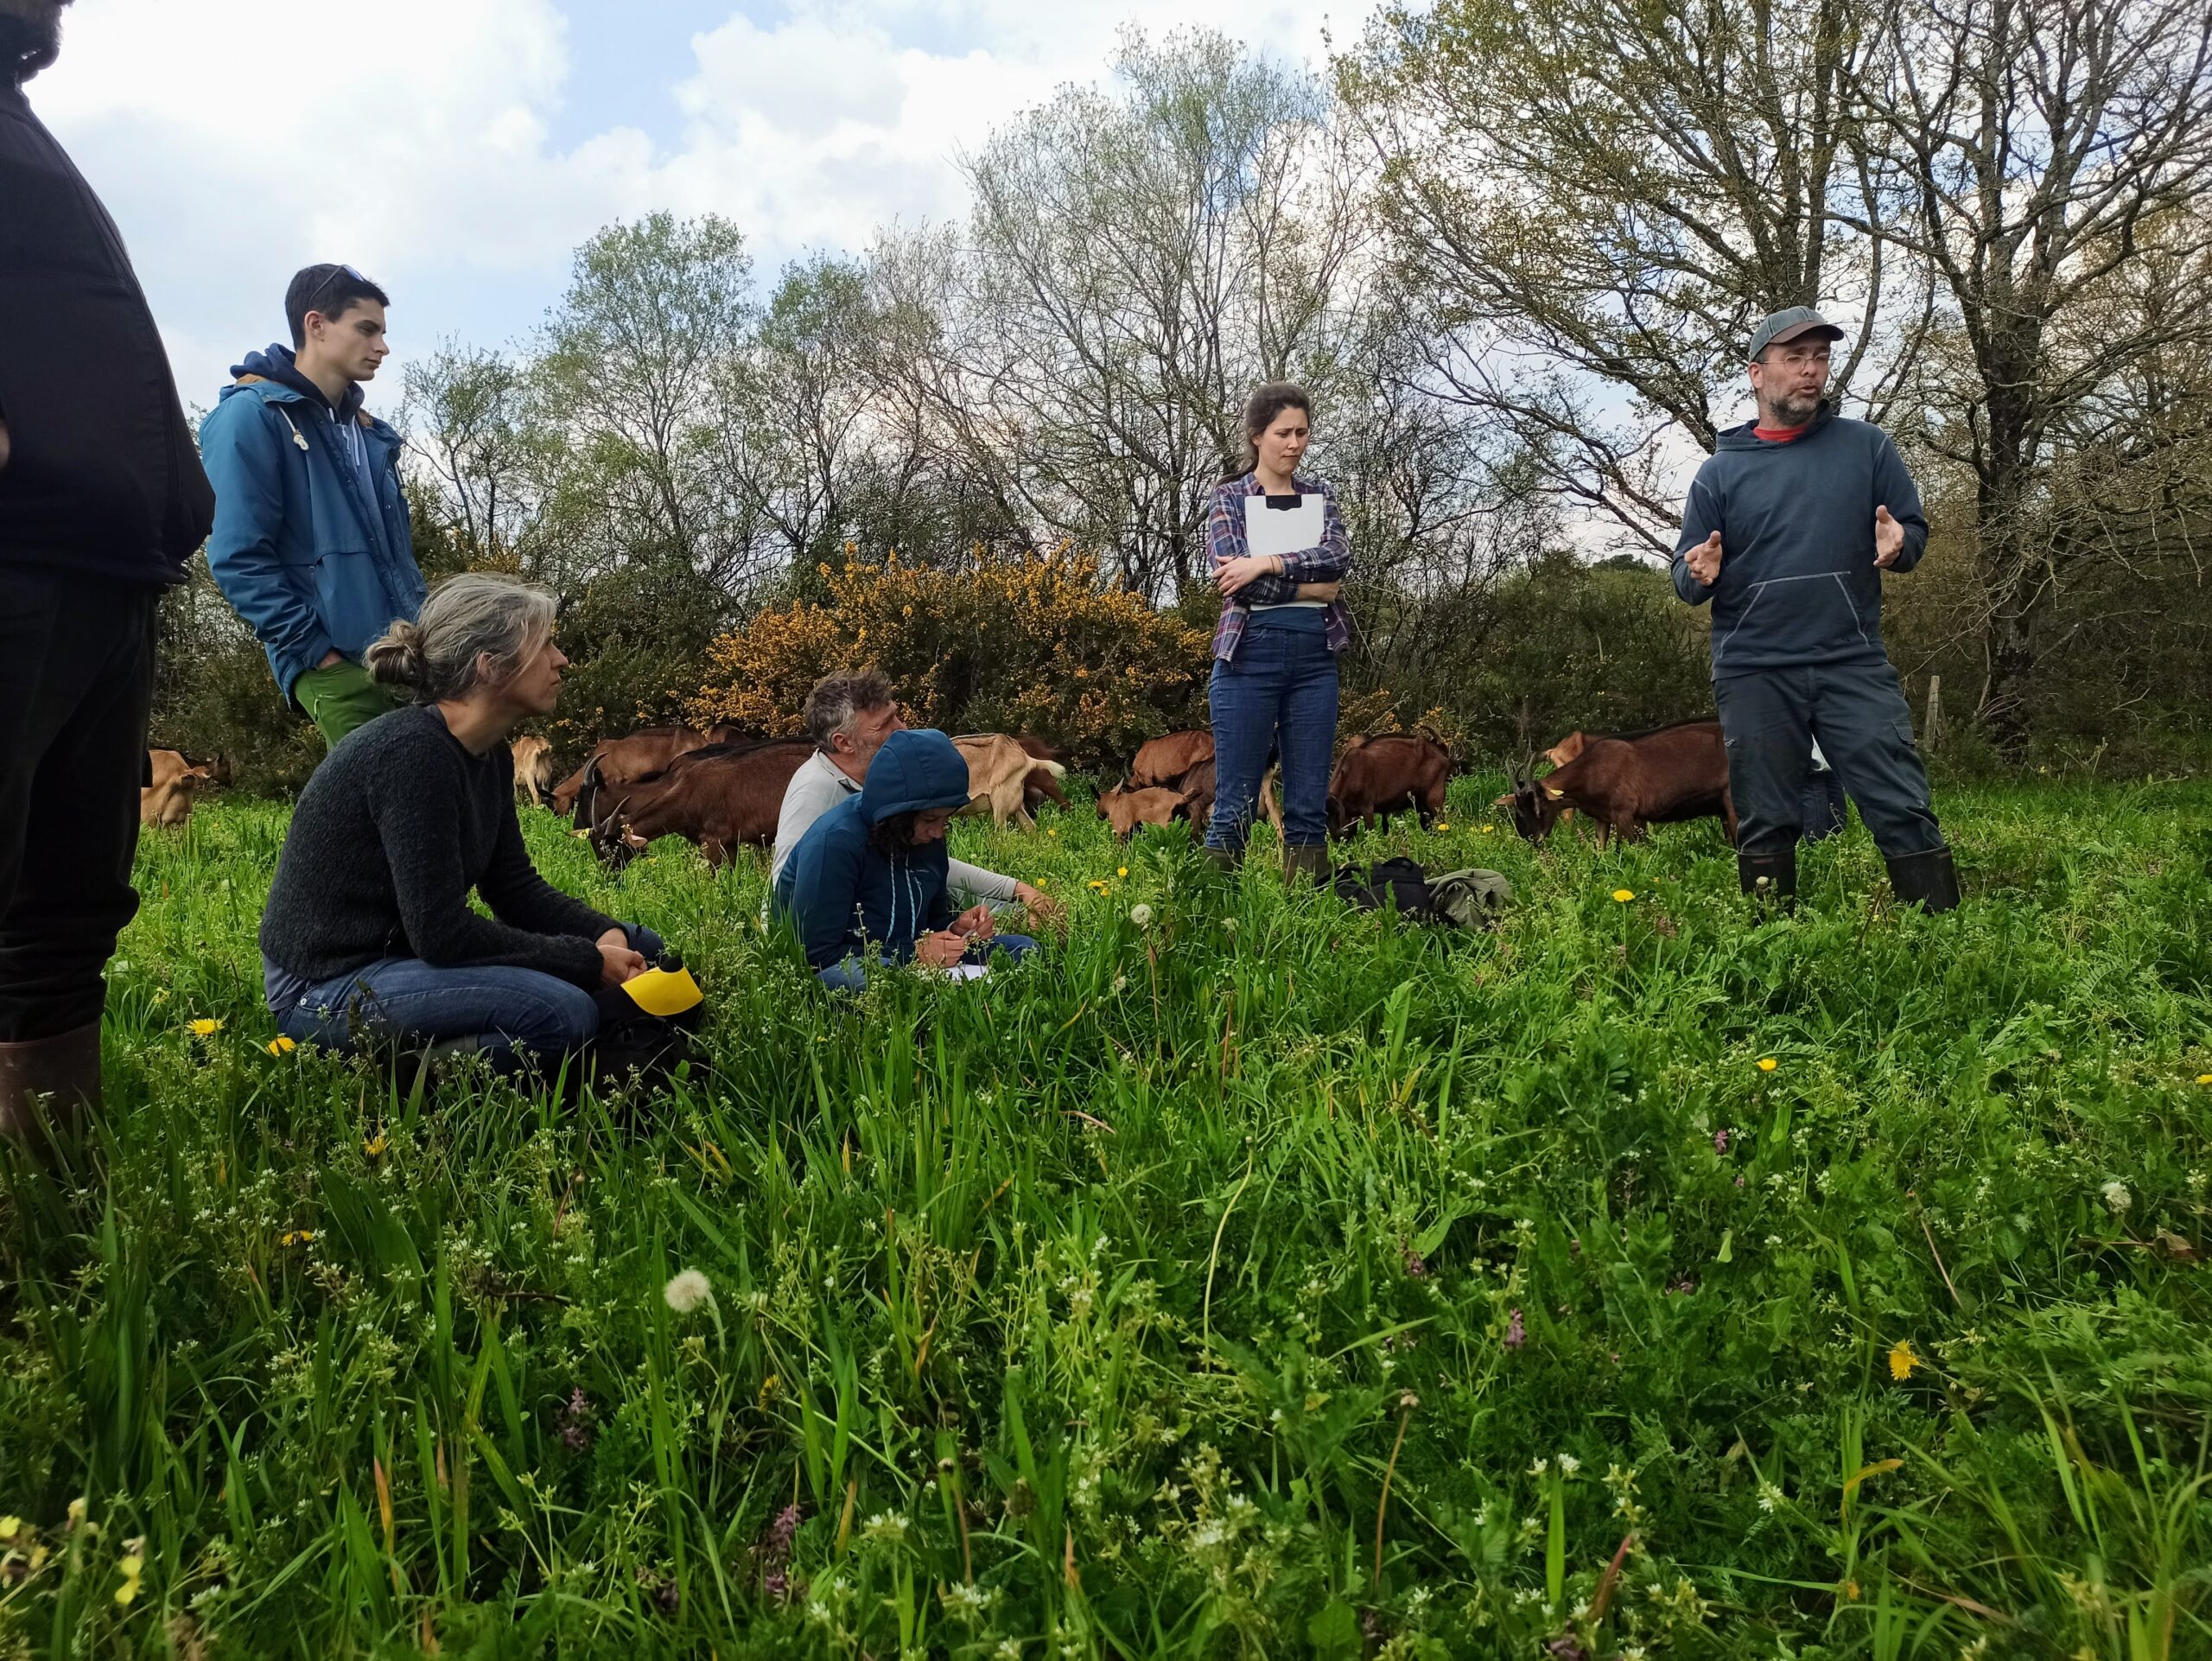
pixel 1798 584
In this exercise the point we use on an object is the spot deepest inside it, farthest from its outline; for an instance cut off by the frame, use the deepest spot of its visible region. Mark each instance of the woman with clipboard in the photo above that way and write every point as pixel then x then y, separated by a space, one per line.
pixel 1277 548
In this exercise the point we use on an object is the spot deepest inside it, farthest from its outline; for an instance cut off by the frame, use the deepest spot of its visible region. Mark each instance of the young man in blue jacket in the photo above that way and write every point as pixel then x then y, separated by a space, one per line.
pixel 312 543
pixel 873 870
pixel 102 502
pixel 1788 530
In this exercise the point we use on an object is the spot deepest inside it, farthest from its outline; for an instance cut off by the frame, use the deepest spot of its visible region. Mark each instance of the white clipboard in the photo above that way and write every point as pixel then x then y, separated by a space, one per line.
pixel 1272 530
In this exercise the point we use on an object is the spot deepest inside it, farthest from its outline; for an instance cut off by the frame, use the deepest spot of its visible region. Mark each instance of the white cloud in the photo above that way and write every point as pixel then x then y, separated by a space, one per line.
pixel 236 140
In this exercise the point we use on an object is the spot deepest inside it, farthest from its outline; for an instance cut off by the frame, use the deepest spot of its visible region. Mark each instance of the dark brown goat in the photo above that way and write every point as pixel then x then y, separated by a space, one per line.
pixel 1376 777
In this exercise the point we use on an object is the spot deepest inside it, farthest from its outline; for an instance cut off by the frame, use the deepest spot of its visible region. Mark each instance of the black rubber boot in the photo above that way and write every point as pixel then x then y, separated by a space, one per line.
pixel 48 1082
pixel 1928 880
pixel 1306 862
pixel 1772 879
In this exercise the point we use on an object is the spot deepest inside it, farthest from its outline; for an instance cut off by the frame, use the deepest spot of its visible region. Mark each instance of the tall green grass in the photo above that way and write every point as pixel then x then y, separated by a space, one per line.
pixel 1266 1279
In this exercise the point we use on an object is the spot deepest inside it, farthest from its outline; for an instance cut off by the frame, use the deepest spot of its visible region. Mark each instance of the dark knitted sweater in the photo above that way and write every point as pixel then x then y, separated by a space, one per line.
pixel 398 824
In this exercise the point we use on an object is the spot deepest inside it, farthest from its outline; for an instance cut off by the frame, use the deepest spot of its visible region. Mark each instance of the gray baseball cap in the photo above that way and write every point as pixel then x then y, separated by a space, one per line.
pixel 1787 324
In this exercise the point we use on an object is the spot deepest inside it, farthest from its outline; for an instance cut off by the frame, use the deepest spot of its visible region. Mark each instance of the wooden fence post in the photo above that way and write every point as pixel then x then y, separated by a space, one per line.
pixel 1931 725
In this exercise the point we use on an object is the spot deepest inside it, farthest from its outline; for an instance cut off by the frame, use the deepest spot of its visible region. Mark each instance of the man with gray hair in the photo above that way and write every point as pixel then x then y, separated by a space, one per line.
pixel 1788 530
pixel 848 716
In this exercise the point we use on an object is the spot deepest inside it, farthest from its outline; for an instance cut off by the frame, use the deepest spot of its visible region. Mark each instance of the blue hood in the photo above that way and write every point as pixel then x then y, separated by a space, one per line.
pixel 277 364
pixel 913 773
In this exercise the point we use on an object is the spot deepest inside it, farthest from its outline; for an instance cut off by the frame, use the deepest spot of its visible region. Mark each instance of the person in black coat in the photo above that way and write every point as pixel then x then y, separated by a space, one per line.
pixel 102 502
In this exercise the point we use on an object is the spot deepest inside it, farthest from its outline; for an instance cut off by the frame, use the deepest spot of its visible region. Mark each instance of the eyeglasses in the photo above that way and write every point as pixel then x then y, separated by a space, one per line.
pixel 329 284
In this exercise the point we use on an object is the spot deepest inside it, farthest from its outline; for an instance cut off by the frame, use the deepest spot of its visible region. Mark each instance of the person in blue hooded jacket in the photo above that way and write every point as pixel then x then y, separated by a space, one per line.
pixel 873 870
pixel 1788 530
pixel 312 546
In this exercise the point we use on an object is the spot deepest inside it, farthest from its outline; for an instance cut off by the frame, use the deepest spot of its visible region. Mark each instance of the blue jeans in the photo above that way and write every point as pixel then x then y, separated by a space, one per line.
pixel 850 976
pixel 499 1011
pixel 1278 694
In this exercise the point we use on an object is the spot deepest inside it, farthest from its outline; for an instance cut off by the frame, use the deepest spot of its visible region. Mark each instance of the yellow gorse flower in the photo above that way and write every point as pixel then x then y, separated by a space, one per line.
pixel 1903 1360
pixel 205 1026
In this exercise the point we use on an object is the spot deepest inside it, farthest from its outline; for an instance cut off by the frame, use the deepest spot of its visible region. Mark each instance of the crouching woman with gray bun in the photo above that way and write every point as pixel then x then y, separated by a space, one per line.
pixel 368 932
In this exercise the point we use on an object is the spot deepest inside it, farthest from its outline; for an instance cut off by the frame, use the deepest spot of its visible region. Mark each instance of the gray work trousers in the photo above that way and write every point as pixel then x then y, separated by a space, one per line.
pixel 1771 718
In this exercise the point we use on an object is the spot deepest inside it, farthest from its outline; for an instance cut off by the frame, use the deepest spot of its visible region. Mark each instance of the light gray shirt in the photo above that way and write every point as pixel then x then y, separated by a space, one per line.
pixel 819 786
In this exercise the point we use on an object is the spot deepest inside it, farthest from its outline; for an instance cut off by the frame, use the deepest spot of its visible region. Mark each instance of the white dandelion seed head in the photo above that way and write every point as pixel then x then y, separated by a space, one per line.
pixel 2116 1197
pixel 1141 914
pixel 686 1291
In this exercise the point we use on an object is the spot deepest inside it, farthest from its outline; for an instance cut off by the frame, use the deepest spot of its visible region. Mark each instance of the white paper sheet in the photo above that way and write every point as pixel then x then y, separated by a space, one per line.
pixel 968 972
pixel 1270 530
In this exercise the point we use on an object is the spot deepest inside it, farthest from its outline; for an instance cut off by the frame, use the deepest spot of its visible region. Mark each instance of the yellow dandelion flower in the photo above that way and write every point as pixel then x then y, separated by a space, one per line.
pixel 1624 896
pixel 1120 870
pixel 1487 828
pixel 205 1026
pixel 296 1237
pixel 1051 830
pixel 1768 1063
pixel 2204 1077
pixel 1903 1360
pixel 1444 825
pixel 280 1045
pixel 375 1145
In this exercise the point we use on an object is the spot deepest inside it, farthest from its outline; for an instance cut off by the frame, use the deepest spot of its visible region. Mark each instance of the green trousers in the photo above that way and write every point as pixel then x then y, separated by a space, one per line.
pixel 341 697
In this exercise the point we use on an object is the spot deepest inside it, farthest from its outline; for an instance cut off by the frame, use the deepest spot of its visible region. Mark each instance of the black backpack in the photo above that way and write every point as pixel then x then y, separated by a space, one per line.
pixel 634 1040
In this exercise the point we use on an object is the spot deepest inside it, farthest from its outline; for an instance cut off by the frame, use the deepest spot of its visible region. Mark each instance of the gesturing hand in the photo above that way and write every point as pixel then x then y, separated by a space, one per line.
pixel 1704 560
pixel 1889 539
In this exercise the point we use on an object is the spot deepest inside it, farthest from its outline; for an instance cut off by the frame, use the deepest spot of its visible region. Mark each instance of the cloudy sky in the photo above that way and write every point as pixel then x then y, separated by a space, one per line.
pixel 457 150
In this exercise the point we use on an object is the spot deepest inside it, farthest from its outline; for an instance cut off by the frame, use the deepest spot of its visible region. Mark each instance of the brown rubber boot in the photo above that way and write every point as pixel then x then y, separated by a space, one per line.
pixel 1307 860
pixel 63 1070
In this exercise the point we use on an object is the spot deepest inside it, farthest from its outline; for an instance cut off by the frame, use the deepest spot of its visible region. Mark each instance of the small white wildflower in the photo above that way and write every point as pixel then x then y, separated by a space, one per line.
pixel 1770 1496
pixel 1568 1465
pixel 2116 1197
pixel 687 1291
pixel 1537 1467
pixel 1141 914
pixel 886 1525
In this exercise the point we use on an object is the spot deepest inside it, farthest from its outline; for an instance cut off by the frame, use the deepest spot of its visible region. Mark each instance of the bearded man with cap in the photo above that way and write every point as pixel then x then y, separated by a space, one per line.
pixel 1788 527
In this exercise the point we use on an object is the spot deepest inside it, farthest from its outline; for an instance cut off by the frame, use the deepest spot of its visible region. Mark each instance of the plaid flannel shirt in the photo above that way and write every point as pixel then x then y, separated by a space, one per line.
pixel 1226 542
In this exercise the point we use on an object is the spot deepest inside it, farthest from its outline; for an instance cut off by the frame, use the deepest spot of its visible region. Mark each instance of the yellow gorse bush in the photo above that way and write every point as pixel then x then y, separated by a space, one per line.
pixel 1039 643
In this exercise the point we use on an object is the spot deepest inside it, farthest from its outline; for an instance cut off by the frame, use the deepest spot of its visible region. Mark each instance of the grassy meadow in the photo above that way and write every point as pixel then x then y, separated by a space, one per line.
pixel 1259 1278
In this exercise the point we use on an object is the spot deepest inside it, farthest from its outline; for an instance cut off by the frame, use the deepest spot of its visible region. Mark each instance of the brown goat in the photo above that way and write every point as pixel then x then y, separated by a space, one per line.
pixel 1625 783
pixel 1164 759
pixel 629 757
pixel 1375 777
pixel 1125 808
pixel 721 797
